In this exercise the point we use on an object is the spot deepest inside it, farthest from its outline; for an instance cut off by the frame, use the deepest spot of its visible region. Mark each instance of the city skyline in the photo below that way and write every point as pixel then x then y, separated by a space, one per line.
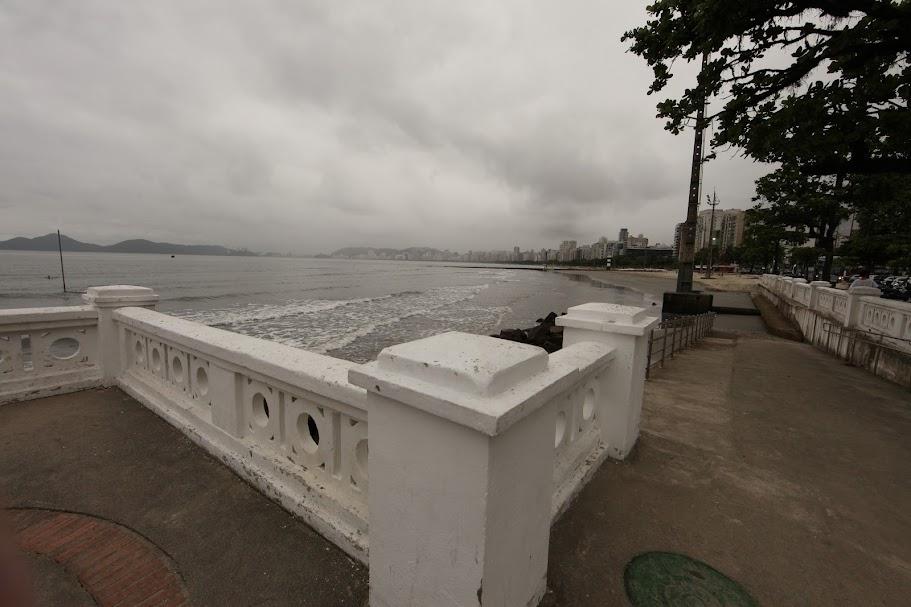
pixel 568 250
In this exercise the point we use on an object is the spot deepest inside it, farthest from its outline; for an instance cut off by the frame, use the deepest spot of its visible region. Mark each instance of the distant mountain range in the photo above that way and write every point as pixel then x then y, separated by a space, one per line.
pixel 48 242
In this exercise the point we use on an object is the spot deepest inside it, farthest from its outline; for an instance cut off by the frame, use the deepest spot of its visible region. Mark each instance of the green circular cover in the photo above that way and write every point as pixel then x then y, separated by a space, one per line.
pixel 666 579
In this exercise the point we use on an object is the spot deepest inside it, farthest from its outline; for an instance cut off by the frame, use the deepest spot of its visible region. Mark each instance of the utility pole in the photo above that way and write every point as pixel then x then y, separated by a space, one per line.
pixel 60 250
pixel 688 233
pixel 713 202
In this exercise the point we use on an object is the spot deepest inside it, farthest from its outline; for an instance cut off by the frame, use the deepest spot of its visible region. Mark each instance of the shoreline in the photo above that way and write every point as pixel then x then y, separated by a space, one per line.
pixel 657 282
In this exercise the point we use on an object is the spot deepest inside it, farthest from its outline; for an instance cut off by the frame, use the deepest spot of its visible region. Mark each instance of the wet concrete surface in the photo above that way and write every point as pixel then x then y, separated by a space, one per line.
pixel 770 461
pixel 102 453
pixel 775 464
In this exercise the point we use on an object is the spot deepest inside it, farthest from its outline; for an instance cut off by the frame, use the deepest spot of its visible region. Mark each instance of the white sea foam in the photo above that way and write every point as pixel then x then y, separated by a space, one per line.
pixel 326 325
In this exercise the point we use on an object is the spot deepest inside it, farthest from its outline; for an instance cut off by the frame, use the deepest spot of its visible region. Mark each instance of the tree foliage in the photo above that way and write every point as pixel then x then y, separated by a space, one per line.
pixel 804 207
pixel 882 207
pixel 823 84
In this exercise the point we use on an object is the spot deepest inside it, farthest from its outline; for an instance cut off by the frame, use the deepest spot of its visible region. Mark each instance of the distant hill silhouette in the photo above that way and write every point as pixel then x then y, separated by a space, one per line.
pixel 48 242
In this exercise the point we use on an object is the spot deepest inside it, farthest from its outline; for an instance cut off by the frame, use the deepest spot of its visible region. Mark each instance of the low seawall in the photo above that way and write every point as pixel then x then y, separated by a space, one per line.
pixel 860 328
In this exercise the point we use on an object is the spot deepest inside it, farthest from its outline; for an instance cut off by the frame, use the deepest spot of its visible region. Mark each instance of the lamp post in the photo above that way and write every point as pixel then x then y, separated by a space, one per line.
pixel 684 300
pixel 688 247
pixel 713 202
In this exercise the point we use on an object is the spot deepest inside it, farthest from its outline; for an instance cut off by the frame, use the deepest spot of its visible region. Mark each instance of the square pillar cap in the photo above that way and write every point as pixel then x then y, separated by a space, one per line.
pixel 484 383
pixel 119 296
pixel 609 318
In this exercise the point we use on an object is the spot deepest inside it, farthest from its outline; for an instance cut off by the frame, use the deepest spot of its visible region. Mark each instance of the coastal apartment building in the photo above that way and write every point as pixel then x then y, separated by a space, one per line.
pixel 567 250
pixel 678 238
pixel 727 229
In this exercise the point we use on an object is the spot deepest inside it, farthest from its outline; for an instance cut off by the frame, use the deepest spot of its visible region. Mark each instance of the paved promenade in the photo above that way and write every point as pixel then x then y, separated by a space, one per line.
pixel 770 461
pixel 773 463
pixel 100 453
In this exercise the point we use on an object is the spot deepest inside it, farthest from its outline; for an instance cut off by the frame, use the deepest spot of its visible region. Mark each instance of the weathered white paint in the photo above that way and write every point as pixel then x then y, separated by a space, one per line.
pixel 856 325
pixel 461 470
pixel 249 402
pixel 33 362
pixel 626 330
pixel 105 300
pixel 476 443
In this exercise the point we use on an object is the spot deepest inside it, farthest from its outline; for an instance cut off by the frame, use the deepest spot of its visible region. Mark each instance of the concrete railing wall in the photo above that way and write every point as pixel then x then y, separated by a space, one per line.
pixel 47 351
pixel 857 326
pixel 474 445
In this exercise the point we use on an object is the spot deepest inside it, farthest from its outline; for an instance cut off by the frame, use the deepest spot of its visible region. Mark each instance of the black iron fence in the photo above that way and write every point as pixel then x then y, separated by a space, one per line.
pixel 676 334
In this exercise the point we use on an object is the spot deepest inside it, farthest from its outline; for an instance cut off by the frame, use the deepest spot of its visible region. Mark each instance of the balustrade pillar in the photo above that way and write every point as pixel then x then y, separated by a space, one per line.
pixel 815 286
pixel 106 300
pixel 625 328
pixel 852 311
pixel 461 470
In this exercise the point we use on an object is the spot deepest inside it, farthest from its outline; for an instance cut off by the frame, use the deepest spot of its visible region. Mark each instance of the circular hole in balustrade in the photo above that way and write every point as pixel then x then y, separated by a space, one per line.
pixel 561 428
pixel 308 432
pixel 260 410
pixel 588 406
pixel 64 348
pixel 361 453
pixel 202 381
pixel 140 355
pixel 177 369
pixel 156 360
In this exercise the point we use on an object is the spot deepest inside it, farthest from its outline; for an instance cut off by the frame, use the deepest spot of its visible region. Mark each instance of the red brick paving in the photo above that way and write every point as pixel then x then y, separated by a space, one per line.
pixel 118 567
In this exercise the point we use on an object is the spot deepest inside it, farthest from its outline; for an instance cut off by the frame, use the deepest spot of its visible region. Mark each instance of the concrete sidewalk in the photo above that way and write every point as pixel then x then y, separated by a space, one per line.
pixel 768 460
pixel 101 453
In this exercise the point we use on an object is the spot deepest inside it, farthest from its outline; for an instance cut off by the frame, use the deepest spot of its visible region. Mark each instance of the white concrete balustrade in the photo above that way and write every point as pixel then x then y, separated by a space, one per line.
pixel 856 325
pixel 46 351
pixel 474 445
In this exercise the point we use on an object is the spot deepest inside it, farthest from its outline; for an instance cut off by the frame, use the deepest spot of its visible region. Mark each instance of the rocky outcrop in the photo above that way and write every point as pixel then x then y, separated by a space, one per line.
pixel 546 334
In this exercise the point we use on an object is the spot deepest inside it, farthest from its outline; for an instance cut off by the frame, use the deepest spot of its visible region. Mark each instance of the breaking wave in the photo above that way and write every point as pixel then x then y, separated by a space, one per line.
pixel 326 325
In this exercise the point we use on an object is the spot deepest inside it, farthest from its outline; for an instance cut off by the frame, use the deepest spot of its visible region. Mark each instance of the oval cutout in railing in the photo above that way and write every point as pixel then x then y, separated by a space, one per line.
pixel 202 381
pixel 64 348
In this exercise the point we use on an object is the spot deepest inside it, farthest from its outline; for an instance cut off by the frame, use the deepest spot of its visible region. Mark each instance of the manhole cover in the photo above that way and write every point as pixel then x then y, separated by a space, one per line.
pixel 674 580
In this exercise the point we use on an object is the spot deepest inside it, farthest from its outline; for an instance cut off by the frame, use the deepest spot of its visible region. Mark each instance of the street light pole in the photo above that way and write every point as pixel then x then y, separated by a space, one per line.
pixel 688 233
pixel 713 201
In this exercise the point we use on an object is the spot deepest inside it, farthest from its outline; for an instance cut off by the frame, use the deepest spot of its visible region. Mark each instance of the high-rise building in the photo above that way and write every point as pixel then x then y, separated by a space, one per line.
pixel 727 231
pixel 624 236
pixel 568 250
pixel 636 242
pixel 678 239
pixel 732 224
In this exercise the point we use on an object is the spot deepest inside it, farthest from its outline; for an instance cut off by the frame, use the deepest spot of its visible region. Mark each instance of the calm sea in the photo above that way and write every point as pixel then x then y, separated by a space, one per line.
pixel 346 308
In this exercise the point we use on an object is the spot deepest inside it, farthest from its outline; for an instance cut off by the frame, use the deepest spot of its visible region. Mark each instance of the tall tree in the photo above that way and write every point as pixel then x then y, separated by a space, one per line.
pixel 805 207
pixel 826 81
pixel 765 239
pixel 882 220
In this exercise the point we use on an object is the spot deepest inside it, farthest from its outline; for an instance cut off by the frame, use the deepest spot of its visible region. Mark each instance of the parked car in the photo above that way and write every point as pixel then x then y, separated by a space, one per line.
pixel 900 288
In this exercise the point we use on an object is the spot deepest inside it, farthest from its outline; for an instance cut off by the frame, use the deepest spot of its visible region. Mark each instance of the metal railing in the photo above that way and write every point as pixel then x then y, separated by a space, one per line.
pixel 676 334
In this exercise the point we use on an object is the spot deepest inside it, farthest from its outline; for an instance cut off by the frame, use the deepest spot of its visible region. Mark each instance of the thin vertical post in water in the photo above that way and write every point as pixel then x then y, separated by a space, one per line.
pixel 60 250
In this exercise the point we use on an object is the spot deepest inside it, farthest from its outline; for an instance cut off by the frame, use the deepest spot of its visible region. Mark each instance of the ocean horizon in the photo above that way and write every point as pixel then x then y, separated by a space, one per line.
pixel 350 309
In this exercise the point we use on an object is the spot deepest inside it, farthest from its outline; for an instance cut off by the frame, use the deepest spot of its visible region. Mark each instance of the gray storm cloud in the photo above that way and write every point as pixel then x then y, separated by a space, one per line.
pixel 304 126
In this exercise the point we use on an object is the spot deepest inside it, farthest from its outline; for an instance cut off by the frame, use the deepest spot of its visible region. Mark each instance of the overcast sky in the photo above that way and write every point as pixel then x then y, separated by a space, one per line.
pixel 307 126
